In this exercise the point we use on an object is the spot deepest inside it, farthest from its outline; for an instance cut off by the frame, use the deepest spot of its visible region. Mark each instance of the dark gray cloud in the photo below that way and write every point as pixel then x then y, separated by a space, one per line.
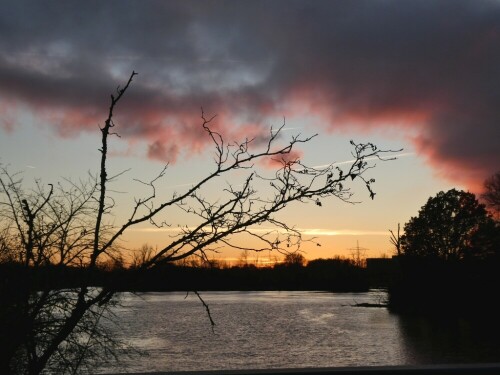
pixel 426 65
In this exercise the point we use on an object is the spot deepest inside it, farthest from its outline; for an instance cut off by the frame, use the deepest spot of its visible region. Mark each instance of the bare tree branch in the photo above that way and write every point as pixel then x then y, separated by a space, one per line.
pixel 72 225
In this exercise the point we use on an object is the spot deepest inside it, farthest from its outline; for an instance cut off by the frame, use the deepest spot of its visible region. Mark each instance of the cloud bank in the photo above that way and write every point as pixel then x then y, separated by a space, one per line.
pixel 429 69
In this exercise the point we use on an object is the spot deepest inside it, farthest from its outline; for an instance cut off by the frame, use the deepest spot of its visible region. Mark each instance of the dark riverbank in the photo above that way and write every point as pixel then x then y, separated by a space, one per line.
pixel 327 276
pixel 435 287
pixel 415 286
pixel 336 275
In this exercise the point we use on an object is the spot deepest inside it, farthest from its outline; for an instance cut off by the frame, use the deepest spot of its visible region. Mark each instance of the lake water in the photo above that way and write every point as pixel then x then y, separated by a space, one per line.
pixel 259 330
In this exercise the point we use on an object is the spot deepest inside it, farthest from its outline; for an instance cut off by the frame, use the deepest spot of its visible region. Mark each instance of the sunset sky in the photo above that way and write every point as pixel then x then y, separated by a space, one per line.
pixel 422 76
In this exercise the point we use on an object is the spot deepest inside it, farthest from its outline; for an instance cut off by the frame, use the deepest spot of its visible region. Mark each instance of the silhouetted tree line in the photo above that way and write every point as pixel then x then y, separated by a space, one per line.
pixel 449 258
pixel 337 274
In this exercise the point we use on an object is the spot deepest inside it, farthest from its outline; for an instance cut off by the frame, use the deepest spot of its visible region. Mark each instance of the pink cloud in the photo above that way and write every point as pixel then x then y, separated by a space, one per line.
pixel 278 161
pixel 354 67
pixel 163 153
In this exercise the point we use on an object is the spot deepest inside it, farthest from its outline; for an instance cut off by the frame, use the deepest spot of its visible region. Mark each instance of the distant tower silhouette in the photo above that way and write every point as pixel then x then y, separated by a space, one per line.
pixel 358 253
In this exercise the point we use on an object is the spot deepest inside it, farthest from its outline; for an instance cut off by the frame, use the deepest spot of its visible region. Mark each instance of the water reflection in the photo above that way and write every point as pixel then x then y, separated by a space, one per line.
pixel 449 340
pixel 291 329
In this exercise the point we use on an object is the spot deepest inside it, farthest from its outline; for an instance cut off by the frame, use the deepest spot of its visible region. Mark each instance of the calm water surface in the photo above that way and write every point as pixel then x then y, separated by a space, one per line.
pixel 289 329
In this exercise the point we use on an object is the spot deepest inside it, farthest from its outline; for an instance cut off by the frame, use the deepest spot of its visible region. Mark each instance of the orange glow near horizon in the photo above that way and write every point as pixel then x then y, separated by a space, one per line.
pixel 332 243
